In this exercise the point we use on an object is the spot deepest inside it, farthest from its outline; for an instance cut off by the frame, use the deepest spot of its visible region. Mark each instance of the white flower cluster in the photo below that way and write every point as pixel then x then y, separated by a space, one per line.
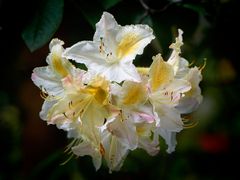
pixel 115 107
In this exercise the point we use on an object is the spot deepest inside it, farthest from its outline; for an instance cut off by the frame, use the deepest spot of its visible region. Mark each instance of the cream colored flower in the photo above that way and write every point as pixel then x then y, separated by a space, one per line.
pixel 113 49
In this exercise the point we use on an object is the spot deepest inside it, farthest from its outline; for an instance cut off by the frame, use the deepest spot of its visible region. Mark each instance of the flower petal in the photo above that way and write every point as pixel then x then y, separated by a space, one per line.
pixel 86 148
pixel 124 71
pixel 149 145
pixel 145 140
pixel 86 52
pixel 170 139
pixel 170 118
pixel 124 130
pixel 192 98
pixel 106 29
pixel 47 81
pixel 171 93
pixel 174 58
pixel 160 73
pixel 132 93
pixel 115 151
pixel 131 41
pixel 45 109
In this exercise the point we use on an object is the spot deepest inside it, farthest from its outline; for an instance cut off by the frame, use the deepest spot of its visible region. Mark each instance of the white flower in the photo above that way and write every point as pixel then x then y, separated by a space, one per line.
pixel 48 78
pixel 165 93
pixel 84 107
pixel 113 107
pixel 113 49
pixel 192 98
pixel 135 122
pixel 174 59
pixel 115 150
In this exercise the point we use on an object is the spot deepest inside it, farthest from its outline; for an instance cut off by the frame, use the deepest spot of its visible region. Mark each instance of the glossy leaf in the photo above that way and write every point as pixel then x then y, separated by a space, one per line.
pixel 44 24
pixel 109 3
pixel 197 8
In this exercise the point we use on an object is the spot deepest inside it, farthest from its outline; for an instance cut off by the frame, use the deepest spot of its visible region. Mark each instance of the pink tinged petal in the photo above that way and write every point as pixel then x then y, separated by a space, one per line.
pixel 171 93
pixel 149 118
pixel 143 113
pixel 67 81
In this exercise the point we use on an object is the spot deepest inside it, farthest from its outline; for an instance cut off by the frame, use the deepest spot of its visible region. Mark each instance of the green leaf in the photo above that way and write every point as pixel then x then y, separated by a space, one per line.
pixel 107 4
pixel 45 23
pixel 197 8
pixel 91 13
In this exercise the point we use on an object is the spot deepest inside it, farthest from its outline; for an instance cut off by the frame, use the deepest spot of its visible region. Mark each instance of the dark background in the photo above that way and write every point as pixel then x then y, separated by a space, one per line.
pixel 29 149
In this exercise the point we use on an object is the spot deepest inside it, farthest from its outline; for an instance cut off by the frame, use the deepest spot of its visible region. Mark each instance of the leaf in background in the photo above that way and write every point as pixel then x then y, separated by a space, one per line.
pixel 197 8
pixel 91 13
pixel 44 24
pixel 109 3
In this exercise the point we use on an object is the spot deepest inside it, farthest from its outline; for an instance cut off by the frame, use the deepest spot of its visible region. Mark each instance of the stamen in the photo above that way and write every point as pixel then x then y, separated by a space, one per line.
pixel 66 161
pixel 191 125
pixel 65 115
pixel 204 65
pixel 68 150
pixel 121 115
pixel 171 95
pixel 193 62
pixel 70 104
pixel 101 149
pixel 43 95
pixel 105 120
pixel 188 122
pixel 101 47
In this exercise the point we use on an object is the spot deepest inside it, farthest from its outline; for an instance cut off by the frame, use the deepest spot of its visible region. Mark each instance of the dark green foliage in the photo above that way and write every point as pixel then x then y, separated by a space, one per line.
pixel 44 24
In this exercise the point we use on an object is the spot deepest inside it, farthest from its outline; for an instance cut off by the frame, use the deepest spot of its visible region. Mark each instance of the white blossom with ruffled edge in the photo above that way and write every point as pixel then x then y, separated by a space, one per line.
pixel 113 49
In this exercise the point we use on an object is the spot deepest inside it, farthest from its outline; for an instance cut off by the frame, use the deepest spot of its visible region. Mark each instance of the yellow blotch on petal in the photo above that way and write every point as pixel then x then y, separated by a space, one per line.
pixel 143 70
pixel 127 45
pixel 99 89
pixel 134 93
pixel 58 66
pixel 160 72
pixel 142 131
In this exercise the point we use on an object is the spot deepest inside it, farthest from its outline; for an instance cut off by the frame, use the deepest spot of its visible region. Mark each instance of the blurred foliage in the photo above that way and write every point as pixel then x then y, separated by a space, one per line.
pixel 44 24
pixel 32 150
